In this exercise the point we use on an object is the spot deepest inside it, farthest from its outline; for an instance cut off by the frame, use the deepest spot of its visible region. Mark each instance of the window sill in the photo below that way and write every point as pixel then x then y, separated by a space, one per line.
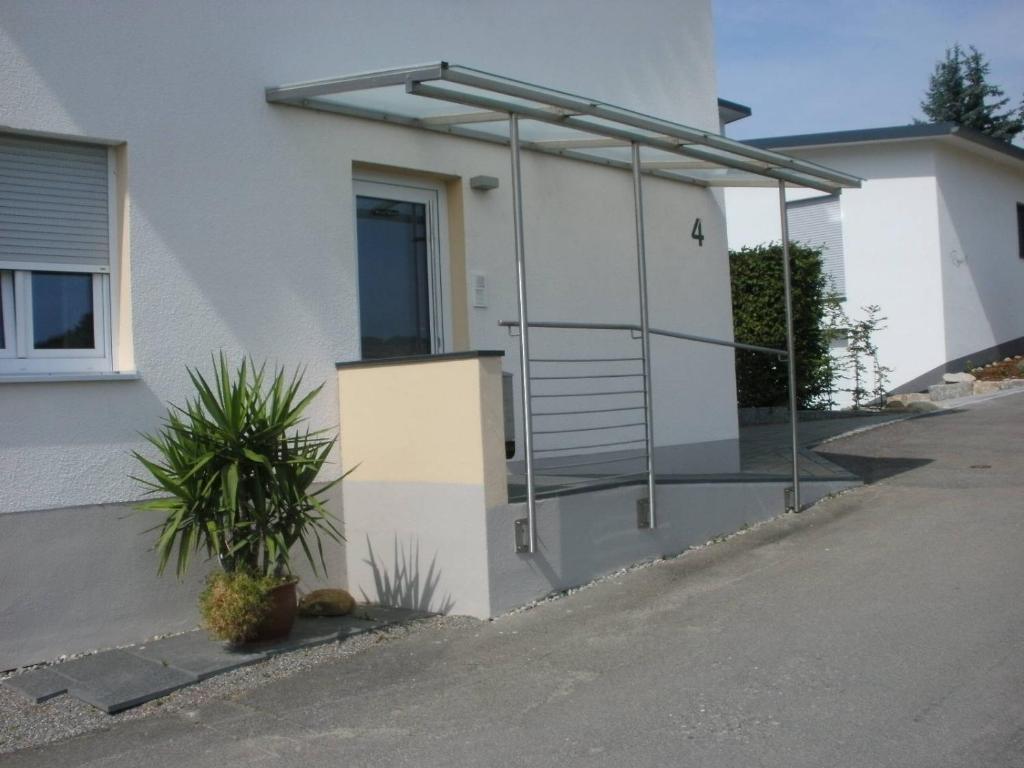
pixel 36 378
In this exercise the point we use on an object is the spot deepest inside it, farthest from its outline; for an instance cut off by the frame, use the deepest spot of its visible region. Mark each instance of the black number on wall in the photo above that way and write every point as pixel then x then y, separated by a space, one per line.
pixel 697 233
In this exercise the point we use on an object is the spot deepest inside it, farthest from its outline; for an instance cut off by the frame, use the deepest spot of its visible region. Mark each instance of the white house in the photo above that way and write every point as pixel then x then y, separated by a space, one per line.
pixel 934 236
pixel 179 179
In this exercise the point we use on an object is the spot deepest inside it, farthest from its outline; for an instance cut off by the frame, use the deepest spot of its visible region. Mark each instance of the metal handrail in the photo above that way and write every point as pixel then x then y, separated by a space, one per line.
pixel 595 463
pixel 656 331
pixel 634 329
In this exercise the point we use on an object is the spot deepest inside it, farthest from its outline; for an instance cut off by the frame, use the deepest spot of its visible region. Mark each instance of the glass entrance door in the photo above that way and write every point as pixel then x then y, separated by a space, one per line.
pixel 400 290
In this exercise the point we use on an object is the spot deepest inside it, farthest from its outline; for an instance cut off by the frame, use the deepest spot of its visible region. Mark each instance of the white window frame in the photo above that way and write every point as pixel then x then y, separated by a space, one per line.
pixel 7 311
pixel 434 197
pixel 19 356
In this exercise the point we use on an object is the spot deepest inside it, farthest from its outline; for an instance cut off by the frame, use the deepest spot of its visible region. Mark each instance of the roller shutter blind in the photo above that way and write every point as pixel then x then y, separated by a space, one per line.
pixel 817 222
pixel 54 205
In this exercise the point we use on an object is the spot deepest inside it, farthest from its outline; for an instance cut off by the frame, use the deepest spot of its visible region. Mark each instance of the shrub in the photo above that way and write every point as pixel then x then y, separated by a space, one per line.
pixel 233 604
pixel 759 317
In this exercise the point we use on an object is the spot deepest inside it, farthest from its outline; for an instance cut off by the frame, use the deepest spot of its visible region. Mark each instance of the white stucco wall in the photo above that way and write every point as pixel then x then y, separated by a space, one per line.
pixel 982 272
pixel 890 241
pixel 240 213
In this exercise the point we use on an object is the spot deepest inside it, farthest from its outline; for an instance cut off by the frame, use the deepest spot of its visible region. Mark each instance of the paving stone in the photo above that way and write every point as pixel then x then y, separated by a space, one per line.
pixel 198 654
pixel 120 679
pixel 117 680
pixel 38 685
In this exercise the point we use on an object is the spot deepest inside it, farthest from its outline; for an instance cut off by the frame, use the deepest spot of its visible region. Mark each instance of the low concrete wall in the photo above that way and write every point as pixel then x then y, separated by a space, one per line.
pixel 418 545
pixel 426 436
pixel 584 536
pixel 80 578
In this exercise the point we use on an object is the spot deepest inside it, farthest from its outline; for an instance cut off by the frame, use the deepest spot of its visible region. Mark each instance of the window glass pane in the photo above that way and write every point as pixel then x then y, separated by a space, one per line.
pixel 62 311
pixel 394 305
pixel 3 318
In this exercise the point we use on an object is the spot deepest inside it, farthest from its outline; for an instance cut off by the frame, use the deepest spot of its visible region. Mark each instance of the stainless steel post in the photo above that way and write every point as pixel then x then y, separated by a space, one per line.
pixel 790 356
pixel 524 330
pixel 645 332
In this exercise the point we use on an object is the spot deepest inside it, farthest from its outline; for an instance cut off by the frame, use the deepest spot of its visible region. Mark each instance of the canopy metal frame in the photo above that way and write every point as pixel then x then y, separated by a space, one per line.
pixel 589 131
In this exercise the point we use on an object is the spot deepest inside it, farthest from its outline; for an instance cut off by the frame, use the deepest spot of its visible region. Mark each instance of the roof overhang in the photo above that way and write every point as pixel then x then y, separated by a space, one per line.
pixel 731 111
pixel 466 102
pixel 966 138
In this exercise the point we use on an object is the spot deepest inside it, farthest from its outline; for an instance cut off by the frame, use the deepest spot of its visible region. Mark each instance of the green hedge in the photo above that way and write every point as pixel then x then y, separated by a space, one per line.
pixel 758 308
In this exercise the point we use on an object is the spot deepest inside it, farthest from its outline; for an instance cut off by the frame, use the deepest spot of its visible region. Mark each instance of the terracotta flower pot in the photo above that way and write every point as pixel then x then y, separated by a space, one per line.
pixel 283 606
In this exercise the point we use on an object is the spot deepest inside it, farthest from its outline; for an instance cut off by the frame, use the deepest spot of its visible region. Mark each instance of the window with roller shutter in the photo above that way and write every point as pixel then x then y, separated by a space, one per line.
pixel 817 222
pixel 56 253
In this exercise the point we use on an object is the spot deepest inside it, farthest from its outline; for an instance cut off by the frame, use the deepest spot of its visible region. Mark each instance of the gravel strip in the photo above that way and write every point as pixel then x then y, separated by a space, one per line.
pixel 23 724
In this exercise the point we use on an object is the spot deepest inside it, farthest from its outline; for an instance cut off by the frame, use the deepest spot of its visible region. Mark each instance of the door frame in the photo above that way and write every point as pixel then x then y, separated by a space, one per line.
pixel 433 196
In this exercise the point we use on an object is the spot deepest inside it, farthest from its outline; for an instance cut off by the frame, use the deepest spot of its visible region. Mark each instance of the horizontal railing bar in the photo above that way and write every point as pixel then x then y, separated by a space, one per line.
pixel 585 359
pixel 587 429
pixel 593 394
pixel 642 456
pixel 589 445
pixel 590 410
pixel 598 480
pixel 655 331
pixel 570 326
pixel 718 342
pixel 589 376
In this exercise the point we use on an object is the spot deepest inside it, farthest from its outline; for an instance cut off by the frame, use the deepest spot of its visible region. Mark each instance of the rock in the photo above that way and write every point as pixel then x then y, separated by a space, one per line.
pixel 949 391
pixel 908 397
pixel 986 387
pixel 895 405
pixel 1007 359
pixel 326 602
pixel 922 406
pixel 958 378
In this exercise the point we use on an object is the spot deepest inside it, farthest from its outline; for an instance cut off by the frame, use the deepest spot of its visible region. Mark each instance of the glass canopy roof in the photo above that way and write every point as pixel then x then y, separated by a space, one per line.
pixel 466 102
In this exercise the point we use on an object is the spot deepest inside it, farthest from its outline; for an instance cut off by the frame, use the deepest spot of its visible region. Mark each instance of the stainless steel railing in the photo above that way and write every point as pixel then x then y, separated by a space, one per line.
pixel 566 388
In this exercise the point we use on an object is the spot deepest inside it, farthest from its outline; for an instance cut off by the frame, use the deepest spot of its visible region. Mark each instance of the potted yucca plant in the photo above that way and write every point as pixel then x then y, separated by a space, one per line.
pixel 234 479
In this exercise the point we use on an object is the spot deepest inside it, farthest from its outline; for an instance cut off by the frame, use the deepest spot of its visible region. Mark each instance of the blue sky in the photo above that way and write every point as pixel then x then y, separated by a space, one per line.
pixel 829 65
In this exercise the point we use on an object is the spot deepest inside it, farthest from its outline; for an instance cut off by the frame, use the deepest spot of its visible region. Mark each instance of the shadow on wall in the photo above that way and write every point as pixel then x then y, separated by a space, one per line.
pixel 405 585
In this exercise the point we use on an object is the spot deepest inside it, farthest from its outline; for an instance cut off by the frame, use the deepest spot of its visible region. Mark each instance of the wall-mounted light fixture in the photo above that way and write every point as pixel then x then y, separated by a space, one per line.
pixel 483 183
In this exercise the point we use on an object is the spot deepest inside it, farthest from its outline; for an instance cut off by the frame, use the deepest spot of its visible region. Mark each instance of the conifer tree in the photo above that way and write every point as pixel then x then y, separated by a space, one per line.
pixel 959 92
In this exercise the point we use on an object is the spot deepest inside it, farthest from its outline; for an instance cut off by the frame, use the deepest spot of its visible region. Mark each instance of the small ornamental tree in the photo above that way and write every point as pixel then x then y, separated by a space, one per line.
pixel 759 317
pixel 234 474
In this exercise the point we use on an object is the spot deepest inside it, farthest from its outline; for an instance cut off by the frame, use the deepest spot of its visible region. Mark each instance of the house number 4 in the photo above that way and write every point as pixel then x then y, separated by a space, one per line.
pixel 697 233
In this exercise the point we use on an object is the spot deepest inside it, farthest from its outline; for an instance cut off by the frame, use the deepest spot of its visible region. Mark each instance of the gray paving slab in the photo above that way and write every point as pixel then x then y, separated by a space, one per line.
pixel 120 679
pixel 117 680
pixel 198 654
pixel 38 685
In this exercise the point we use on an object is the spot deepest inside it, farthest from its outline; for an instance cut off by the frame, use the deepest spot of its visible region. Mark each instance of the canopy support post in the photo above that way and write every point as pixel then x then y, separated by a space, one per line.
pixel 524 336
pixel 645 336
pixel 790 354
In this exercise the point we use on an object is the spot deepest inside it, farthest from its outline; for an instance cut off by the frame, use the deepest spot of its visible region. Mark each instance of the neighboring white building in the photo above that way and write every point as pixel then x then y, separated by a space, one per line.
pixel 158 209
pixel 934 236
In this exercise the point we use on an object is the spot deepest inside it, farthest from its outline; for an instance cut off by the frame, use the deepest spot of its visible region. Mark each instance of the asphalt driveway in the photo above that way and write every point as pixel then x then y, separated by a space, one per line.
pixel 884 627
